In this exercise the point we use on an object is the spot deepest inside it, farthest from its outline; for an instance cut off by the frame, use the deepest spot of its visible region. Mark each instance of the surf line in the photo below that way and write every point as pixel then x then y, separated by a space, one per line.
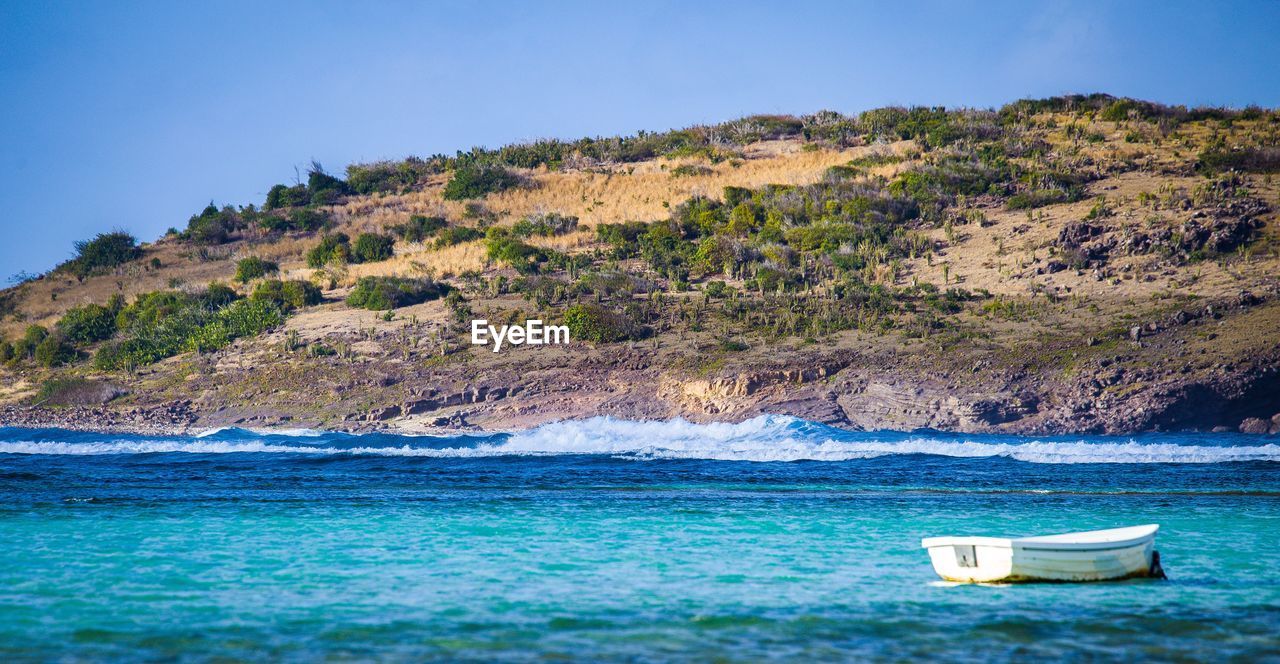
pixel 532 333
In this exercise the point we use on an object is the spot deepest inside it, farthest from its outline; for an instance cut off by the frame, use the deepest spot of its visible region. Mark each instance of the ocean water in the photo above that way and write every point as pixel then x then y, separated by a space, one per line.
pixel 605 540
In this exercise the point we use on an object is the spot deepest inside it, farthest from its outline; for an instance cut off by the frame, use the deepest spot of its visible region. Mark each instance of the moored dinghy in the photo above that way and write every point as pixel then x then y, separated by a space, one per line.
pixel 1098 555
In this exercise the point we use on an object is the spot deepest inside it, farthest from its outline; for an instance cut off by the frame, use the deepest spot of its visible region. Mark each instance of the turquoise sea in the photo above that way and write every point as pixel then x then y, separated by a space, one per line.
pixel 605 540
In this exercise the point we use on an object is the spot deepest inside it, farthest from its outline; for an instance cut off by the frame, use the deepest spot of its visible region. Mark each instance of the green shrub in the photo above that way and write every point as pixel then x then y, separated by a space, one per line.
pixel 243 318
pixel 54 351
pixel 326 197
pixel 545 225
pixel 390 176
pixel 25 347
pixel 458 307
pixel 321 350
pixel 287 295
pixel 476 181
pixel 1118 110
pixel 372 247
pixel 419 228
pixel 283 196
pixel 103 252
pixel 165 323
pixel 307 219
pixel 936 185
pixel 213 226
pixel 589 322
pixel 383 293
pixel 6 351
pixel 502 246
pixel 932 127
pixel 217 295
pixel 150 308
pixel 690 170
pixel 1100 210
pixel 324 189
pixel 248 269
pixel 335 248
pixel 275 223
pixel 624 238
pixel 87 323
pixel 733 196
pixel 298 219
pixel 246 318
pixel 457 235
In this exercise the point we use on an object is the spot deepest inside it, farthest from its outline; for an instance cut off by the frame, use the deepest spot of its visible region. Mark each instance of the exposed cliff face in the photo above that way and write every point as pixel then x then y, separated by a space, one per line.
pixel 1179 376
pixel 931 405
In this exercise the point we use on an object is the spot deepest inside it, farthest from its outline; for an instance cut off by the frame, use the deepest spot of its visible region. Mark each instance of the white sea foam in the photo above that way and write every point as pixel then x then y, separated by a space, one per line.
pixel 772 438
pixel 766 438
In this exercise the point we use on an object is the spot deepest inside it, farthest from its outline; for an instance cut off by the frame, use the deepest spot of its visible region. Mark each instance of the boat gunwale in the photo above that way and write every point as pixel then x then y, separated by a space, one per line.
pixel 1107 546
pixel 1038 543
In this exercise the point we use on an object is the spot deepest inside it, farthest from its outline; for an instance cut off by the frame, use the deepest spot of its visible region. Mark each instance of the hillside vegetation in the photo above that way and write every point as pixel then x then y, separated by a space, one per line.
pixel 1047 242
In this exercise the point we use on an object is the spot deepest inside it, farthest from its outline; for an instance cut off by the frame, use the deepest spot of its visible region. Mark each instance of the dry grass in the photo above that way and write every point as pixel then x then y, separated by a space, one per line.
pixel 575 241
pixel 635 192
pixel 417 261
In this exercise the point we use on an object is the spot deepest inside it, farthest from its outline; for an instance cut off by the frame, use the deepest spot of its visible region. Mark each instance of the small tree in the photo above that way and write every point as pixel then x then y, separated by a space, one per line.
pixel 372 247
pixel 383 293
pixel 25 348
pixel 282 196
pixel 248 269
pixel 213 226
pixel 87 324
pixel 324 189
pixel 307 219
pixel 334 248
pixel 473 181
pixel 598 324
pixel 105 251
pixel 288 295
pixel 54 351
pixel 218 295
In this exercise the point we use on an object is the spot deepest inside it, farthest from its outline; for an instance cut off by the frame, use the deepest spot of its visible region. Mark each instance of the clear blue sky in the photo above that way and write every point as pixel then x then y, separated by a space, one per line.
pixel 135 115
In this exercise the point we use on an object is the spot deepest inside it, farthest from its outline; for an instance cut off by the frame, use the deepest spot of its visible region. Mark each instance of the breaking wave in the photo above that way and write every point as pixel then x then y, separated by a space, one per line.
pixel 761 439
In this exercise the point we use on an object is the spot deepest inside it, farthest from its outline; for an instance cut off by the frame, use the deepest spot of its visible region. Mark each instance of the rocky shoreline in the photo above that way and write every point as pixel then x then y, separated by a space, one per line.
pixel 165 420
pixel 1238 399
pixel 1202 369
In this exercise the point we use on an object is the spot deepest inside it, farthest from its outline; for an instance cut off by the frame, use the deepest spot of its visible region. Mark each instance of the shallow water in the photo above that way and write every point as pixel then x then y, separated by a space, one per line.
pixel 609 540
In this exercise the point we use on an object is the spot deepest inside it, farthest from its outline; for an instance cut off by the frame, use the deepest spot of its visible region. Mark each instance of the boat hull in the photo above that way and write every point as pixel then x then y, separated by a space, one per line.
pixel 1054 558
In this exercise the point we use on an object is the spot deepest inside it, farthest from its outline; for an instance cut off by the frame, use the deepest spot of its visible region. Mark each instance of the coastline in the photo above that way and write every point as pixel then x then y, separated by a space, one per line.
pixel 1202 369
pixel 843 397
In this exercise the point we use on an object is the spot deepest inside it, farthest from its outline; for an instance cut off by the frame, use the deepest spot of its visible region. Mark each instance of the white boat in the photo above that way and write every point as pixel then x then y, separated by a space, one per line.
pixel 1098 555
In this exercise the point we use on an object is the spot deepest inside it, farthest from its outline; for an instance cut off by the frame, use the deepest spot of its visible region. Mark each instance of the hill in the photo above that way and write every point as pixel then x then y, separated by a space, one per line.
pixel 1081 263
